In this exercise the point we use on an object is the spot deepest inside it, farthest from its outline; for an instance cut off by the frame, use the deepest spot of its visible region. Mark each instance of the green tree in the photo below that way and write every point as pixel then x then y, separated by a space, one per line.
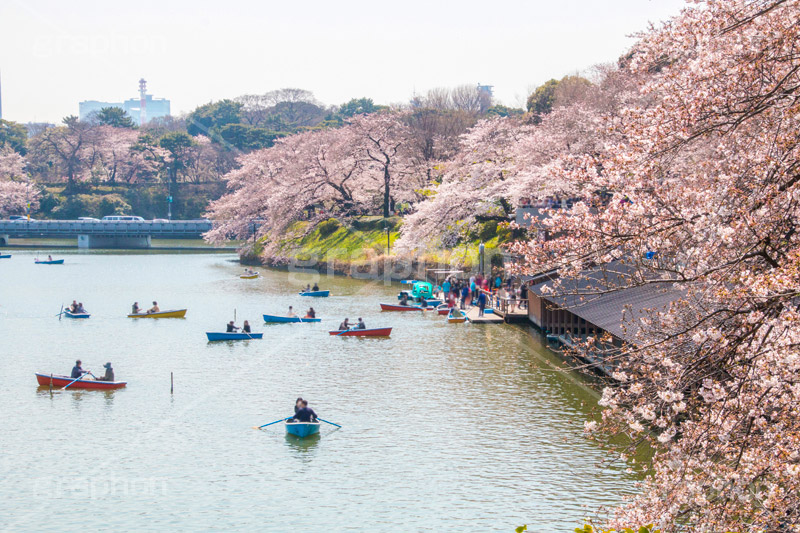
pixel 246 138
pixel 15 135
pixel 358 106
pixel 115 117
pixel 179 146
pixel 499 110
pixel 208 119
pixel 542 99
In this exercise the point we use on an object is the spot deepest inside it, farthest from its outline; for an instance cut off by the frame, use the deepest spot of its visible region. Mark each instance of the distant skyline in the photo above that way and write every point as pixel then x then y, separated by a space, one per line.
pixel 55 54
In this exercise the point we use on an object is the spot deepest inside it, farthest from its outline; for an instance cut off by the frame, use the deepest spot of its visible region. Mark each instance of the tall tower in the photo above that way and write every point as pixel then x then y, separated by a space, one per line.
pixel 142 102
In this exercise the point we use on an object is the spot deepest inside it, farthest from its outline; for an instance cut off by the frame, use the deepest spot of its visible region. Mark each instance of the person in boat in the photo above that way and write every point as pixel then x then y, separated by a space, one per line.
pixel 135 309
pixel 231 327
pixel 298 404
pixel 154 309
pixel 404 298
pixel 109 375
pixel 80 309
pixel 344 325
pixel 311 313
pixel 307 289
pixel 74 307
pixel 360 324
pixel 246 327
pixel 305 413
pixel 49 257
pixel 291 312
pixel 77 370
pixel 315 288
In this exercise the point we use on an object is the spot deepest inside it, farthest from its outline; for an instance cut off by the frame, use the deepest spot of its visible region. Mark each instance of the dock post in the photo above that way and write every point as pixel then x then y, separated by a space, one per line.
pixel 171 384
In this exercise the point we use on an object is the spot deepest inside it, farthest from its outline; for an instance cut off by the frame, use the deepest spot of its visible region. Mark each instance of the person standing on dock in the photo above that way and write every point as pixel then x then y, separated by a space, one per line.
pixel 446 289
pixel 481 303
pixel 464 294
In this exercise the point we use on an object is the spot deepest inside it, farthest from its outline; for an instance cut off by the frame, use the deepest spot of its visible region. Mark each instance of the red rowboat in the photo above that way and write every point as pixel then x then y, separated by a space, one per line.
pixel 443 309
pixel 377 332
pixel 394 307
pixel 62 381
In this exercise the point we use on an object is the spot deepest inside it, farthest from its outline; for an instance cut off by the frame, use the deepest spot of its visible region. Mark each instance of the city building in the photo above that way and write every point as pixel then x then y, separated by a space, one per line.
pixel 141 110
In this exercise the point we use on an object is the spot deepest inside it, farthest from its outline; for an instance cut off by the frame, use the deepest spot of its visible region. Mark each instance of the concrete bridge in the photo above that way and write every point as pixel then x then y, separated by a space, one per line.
pixel 103 233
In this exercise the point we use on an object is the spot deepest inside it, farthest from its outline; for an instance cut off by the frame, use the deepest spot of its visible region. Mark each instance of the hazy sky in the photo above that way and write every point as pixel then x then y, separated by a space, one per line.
pixel 55 53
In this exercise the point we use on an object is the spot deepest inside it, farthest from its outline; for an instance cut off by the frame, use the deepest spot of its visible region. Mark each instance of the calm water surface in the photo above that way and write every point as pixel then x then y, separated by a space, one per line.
pixel 446 427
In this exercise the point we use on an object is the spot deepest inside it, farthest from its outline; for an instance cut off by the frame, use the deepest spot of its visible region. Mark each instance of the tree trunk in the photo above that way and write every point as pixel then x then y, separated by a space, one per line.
pixel 386 192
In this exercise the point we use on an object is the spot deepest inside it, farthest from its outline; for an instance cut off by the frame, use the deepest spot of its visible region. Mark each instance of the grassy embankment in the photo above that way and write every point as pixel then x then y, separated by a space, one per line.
pixel 360 245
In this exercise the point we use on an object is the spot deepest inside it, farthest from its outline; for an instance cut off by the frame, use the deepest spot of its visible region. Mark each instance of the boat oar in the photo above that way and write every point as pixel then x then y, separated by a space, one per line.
pixel 61 312
pixel 73 381
pixel 265 425
pixel 331 423
pixel 343 331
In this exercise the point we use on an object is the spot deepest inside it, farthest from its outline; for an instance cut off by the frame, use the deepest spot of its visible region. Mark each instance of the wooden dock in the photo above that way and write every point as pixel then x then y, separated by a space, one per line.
pixel 512 315
pixel 487 318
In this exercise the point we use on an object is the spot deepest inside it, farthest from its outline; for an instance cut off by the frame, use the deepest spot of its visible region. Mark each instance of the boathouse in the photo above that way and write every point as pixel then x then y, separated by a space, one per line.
pixel 602 301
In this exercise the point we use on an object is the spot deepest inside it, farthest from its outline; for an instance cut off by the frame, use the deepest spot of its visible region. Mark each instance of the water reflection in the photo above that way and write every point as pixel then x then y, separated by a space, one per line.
pixel 304 447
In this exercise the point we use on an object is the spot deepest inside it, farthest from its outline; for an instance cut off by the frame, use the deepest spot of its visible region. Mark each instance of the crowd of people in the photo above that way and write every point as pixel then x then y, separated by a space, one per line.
pixel 476 291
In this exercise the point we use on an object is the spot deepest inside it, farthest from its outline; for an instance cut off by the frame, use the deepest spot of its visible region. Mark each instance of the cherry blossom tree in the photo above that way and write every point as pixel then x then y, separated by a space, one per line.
pixel 15 192
pixel 706 175
pixel 69 148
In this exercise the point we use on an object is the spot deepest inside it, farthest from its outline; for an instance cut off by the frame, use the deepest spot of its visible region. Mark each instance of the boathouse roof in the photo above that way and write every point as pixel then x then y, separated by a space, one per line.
pixel 613 297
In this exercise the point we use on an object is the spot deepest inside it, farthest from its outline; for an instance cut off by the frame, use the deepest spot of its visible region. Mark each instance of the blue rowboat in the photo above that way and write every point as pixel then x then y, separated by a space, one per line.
pixel 302 429
pixel 6 256
pixel 318 294
pixel 232 336
pixel 53 262
pixel 70 314
pixel 272 319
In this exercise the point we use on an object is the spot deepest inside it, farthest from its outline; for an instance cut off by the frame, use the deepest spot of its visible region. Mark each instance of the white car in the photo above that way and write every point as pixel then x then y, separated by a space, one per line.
pixel 89 219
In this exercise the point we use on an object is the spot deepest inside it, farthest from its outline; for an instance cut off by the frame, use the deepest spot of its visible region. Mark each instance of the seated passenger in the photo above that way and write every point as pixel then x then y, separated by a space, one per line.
pixel 311 313
pixel 344 325
pixel 246 327
pixel 154 309
pixel 81 309
pixel 315 288
pixel 231 328
pixel 135 309
pixel 360 324
pixel 109 375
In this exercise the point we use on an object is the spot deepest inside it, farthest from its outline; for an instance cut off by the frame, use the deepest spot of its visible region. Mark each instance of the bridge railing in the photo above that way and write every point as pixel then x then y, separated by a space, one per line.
pixel 23 228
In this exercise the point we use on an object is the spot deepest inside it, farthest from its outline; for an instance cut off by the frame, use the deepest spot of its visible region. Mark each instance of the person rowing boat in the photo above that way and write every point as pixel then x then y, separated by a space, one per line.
pixel 304 413
pixel 246 327
pixel 135 309
pixel 344 325
pixel 231 327
pixel 78 371
pixel 361 324
pixel 291 313
pixel 311 313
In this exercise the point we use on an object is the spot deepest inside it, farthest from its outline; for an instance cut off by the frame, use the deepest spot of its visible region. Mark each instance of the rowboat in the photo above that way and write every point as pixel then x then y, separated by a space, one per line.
pixel 249 276
pixel 317 294
pixel 397 307
pixel 53 262
pixel 443 310
pixel 175 313
pixel 456 316
pixel 53 380
pixel 232 336
pixel 272 319
pixel 5 256
pixel 302 429
pixel 70 314
pixel 375 332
